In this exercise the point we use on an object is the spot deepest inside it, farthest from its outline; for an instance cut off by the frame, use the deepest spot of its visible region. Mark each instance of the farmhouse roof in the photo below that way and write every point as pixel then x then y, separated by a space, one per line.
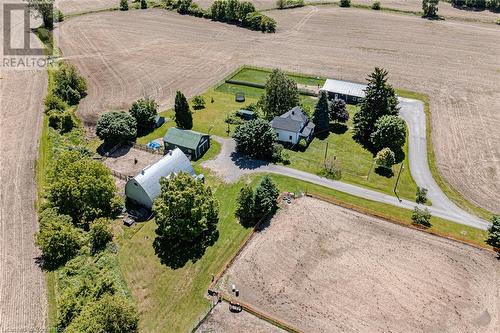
pixel 172 163
pixel 183 138
pixel 345 88
pixel 292 121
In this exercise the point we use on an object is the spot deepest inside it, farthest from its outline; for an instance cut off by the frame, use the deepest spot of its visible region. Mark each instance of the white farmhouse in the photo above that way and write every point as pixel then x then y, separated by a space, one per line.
pixel 292 126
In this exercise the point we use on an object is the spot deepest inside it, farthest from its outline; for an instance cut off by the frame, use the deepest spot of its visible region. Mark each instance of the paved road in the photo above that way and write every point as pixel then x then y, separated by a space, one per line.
pixel 23 299
pixel 232 166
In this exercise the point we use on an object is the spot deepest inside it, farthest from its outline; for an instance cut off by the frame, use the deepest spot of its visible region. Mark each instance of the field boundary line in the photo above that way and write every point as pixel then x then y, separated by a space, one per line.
pixel 392 219
pixel 261 315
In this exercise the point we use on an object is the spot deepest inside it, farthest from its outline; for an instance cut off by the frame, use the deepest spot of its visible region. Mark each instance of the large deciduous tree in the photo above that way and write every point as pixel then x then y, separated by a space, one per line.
pixel 183 115
pixel 144 111
pixel 390 131
pixel 281 94
pixel 82 188
pixel 255 138
pixel 380 100
pixel 43 9
pixel 68 84
pixel 320 116
pixel 58 239
pixel 110 314
pixel 116 126
pixel 338 111
pixel 186 218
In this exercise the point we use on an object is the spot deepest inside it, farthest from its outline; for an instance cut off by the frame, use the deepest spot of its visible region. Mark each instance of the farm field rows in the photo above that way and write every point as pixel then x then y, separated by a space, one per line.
pixel 316 265
pixel 455 63
pixel 23 300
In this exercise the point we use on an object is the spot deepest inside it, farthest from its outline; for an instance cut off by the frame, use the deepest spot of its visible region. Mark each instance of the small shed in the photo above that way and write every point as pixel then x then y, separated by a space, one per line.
pixel 350 92
pixel 191 143
pixel 145 187
pixel 246 114
pixel 159 120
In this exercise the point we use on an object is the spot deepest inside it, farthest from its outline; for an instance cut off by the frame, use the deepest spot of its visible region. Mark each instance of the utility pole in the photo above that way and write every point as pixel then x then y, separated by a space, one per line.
pixel 397 181
pixel 326 151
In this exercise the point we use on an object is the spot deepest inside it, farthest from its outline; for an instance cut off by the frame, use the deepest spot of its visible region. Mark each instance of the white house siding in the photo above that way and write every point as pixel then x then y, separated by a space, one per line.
pixel 286 136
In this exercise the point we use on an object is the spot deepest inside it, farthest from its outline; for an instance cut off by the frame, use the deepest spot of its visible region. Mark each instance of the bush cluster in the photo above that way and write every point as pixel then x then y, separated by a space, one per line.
pixel 493 5
pixel 68 84
pixel 283 4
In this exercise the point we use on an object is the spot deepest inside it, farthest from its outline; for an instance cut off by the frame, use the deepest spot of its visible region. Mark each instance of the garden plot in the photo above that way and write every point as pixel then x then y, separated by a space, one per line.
pixel 223 320
pixel 322 268
pixel 128 55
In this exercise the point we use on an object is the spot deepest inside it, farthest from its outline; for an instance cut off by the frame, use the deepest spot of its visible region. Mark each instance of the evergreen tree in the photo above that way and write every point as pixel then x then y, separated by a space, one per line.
pixel 144 4
pixel 281 94
pixel 266 195
pixel 245 210
pixel 183 115
pixel 380 100
pixel 494 232
pixel 320 117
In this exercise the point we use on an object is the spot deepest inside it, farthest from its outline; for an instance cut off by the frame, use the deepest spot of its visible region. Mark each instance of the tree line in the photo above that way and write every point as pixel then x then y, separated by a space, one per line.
pixel 493 5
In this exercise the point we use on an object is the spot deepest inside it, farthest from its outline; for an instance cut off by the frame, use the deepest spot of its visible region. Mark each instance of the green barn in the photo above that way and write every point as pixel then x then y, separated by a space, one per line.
pixel 191 143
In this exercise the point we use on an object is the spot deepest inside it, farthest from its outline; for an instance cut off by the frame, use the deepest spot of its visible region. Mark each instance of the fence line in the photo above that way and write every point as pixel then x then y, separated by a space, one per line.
pixel 139 146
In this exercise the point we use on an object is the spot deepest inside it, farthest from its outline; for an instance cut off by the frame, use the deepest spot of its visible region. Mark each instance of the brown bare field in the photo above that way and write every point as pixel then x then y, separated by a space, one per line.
pixel 223 320
pixel 81 6
pixel 125 56
pixel 445 9
pixel 323 268
pixel 23 300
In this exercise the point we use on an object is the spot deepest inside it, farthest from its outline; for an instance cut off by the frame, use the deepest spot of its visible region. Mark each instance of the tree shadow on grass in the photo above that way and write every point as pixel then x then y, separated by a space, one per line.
pixel 338 128
pixel 384 172
pixel 175 253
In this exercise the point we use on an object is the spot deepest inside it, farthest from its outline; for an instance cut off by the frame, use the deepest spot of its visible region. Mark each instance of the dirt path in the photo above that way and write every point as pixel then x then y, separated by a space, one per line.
pixel 22 284
pixel 224 321
pixel 323 268
pixel 153 52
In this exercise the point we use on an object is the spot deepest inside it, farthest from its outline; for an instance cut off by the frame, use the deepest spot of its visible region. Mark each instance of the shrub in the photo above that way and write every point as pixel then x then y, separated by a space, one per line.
pixel 58 239
pixel 123 5
pixel 144 111
pixel 116 126
pixel 345 3
pixel 282 4
pixel 421 196
pixel 332 169
pixel 183 6
pixel 244 9
pixel 68 84
pixel 218 10
pixel 58 15
pixel 100 234
pixel 198 102
pixel 385 158
pixel 61 121
pixel 54 103
pixel 144 4
pixel 376 5
pixel 255 138
pixel 430 8
pixel 421 217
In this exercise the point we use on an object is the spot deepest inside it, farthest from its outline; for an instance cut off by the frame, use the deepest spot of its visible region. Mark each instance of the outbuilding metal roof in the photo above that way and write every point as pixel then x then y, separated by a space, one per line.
pixel 183 138
pixel 149 178
pixel 344 87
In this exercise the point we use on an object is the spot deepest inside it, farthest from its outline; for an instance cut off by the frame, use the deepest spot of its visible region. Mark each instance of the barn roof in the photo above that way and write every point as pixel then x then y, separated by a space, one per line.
pixel 172 163
pixel 183 138
pixel 344 87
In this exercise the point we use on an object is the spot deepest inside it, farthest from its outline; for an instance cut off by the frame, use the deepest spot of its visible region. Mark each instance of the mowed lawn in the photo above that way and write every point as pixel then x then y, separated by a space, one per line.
pixel 173 300
pixel 355 161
